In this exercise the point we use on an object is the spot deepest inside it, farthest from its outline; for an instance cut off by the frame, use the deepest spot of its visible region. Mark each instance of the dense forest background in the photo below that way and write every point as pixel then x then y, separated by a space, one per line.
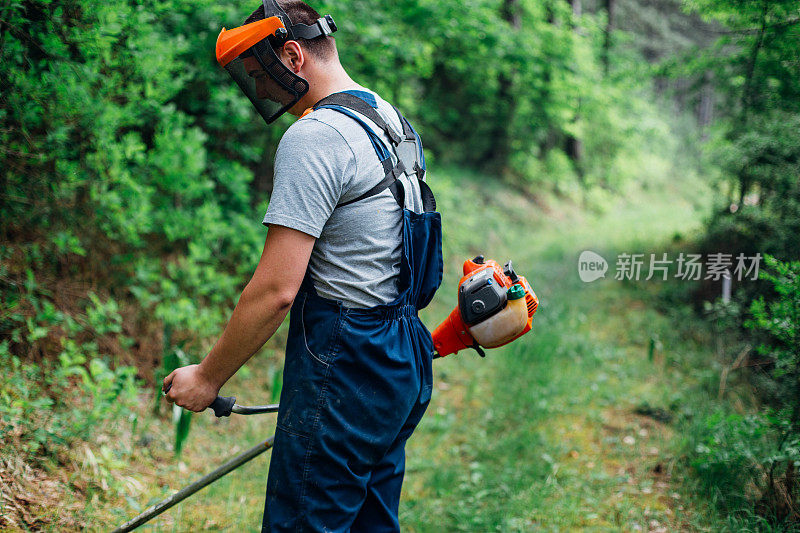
pixel 133 178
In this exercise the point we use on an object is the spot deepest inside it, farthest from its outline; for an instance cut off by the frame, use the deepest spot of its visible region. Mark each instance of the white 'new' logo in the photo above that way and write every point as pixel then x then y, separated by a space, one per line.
pixel 591 266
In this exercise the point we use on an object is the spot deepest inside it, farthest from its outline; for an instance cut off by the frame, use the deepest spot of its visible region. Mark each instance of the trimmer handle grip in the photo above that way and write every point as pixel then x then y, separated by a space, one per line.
pixel 223 406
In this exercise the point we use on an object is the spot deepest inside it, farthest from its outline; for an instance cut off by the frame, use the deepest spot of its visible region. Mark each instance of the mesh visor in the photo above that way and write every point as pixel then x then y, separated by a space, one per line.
pixel 267 82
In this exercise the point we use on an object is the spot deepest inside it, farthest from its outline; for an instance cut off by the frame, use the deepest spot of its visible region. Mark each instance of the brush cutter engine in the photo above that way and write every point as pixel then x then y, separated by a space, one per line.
pixel 495 306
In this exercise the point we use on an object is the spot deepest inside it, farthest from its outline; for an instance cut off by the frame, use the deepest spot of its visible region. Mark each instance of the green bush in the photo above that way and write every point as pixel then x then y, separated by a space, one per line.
pixel 776 321
pixel 749 462
pixel 764 214
pixel 45 407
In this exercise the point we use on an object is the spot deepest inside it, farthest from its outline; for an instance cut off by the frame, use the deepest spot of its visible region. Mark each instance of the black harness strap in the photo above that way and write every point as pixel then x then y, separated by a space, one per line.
pixel 405 149
pixel 390 181
pixel 410 136
pixel 410 143
pixel 357 104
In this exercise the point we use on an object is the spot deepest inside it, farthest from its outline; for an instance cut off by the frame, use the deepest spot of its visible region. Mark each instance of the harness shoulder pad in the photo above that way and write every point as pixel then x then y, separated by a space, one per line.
pixel 408 153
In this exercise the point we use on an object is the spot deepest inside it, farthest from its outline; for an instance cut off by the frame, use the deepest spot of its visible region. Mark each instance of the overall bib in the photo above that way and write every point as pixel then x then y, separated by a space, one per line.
pixel 356 382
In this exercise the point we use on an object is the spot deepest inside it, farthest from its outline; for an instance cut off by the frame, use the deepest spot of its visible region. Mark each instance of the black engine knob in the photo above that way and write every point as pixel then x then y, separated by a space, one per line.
pixel 508 270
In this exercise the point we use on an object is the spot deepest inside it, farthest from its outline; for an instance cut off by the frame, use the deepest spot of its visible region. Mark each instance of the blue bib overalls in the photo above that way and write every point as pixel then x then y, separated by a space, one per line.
pixel 356 382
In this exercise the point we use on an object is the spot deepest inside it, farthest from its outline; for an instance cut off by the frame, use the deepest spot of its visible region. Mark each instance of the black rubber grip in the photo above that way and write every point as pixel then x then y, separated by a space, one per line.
pixel 223 405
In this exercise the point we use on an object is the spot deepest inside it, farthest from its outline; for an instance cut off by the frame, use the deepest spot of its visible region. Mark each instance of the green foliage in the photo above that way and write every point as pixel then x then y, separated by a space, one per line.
pixel 752 60
pixel 129 157
pixel 750 461
pixel 121 128
pixel 277 384
pixel 127 160
pixel 103 318
pixel 767 159
pixel 50 402
pixel 729 452
pixel 101 153
pixel 493 84
pixel 182 419
pixel 756 75
pixel 776 322
pixel 45 407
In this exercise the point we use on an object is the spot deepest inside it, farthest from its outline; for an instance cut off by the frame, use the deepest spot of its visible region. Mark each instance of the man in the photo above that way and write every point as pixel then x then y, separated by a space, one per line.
pixel 354 250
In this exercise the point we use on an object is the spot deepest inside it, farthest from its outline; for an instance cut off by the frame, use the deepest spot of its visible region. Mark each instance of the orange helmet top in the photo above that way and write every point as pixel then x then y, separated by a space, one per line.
pixel 232 43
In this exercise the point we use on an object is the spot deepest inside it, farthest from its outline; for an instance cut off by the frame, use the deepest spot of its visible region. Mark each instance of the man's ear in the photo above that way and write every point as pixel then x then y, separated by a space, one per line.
pixel 292 55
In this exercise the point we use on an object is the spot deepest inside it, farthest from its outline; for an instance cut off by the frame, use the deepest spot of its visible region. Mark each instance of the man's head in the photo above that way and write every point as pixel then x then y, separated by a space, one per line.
pixel 304 57
pixel 322 48
pixel 282 57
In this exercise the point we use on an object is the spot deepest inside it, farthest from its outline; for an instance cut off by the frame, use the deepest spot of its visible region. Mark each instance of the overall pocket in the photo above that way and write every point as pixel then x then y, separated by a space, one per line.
pixel 320 326
pixel 312 345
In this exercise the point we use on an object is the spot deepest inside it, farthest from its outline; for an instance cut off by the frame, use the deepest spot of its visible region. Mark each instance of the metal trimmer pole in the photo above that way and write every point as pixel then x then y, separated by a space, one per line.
pixel 185 492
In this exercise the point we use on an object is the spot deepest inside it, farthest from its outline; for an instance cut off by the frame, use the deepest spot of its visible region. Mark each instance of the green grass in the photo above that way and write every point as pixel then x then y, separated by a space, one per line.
pixel 542 433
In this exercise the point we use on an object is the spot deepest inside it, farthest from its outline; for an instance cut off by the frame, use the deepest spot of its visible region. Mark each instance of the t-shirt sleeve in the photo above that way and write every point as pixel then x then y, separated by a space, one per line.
pixel 312 165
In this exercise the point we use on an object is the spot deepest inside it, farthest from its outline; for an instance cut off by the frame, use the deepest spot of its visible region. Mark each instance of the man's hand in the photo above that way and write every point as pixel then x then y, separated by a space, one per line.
pixel 190 388
pixel 262 307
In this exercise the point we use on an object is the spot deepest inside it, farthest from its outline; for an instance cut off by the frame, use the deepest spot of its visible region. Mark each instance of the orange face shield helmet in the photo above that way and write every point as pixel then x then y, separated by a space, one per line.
pixel 248 54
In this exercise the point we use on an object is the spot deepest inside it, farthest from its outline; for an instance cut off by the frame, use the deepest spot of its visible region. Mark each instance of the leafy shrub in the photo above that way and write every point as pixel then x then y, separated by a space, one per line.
pixel 46 406
pixel 749 462
pixel 778 320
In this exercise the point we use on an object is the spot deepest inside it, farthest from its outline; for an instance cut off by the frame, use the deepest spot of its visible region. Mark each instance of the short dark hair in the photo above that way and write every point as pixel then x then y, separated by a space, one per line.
pixel 322 47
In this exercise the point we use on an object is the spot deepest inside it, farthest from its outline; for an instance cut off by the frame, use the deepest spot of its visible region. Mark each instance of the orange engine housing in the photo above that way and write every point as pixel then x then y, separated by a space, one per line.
pixel 453 335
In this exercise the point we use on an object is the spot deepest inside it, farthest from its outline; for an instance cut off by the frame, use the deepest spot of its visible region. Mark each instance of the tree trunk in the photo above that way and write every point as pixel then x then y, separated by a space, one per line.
pixel 705 110
pixel 747 94
pixel 576 8
pixel 609 7
pixel 573 146
pixel 500 150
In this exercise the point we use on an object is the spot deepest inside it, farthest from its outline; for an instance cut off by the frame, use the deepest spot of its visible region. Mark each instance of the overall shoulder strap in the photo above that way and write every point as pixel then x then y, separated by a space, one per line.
pixel 405 148
pixel 357 104
pixel 410 153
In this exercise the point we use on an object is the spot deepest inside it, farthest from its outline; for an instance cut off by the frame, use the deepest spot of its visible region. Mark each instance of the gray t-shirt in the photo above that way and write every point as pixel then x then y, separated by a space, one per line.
pixel 324 159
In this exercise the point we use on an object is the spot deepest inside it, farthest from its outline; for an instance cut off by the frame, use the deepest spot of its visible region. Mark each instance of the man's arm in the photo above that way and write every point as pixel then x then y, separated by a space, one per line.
pixel 263 305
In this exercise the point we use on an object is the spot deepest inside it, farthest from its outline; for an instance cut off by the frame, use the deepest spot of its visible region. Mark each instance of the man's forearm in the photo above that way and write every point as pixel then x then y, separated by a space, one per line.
pixel 257 316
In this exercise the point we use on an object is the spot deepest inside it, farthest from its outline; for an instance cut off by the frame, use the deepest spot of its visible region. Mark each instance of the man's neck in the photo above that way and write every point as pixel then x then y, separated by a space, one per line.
pixel 333 81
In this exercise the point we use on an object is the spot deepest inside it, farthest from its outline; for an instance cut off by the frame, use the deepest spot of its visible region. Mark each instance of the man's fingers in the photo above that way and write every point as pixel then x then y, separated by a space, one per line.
pixel 167 383
pixel 189 391
pixel 167 387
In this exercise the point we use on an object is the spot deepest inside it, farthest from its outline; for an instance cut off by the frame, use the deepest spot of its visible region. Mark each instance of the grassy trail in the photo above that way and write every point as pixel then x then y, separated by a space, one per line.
pixel 540 435
pixel 543 435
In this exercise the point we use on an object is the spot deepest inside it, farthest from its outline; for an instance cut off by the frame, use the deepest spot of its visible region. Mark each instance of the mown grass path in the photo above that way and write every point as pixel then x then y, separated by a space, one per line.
pixel 543 435
pixel 540 435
